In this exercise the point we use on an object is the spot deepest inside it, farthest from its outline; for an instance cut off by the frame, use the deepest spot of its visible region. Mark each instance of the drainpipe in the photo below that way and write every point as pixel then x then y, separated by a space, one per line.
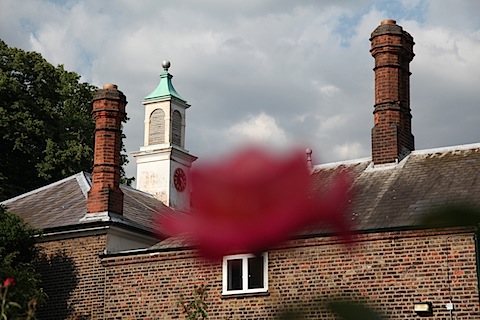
pixel 477 256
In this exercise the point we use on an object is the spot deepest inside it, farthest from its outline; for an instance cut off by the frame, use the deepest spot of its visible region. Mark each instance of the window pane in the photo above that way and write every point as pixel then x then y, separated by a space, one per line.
pixel 234 276
pixel 255 272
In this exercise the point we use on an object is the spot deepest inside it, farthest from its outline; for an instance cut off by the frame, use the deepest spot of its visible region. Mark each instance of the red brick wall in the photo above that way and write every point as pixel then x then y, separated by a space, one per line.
pixel 73 278
pixel 390 270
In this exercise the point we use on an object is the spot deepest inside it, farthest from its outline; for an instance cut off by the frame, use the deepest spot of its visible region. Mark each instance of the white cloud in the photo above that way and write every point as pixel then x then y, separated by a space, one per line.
pixel 261 128
pixel 326 90
pixel 329 90
pixel 411 4
pixel 327 126
pixel 349 151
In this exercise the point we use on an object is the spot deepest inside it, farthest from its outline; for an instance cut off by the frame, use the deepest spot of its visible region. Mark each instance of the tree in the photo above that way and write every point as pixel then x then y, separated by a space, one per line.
pixel 46 129
pixel 18 255
pixel 195 307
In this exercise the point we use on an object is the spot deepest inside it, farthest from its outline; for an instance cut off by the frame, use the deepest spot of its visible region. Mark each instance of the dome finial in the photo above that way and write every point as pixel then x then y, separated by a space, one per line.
pixel 165 88
pixel 166 65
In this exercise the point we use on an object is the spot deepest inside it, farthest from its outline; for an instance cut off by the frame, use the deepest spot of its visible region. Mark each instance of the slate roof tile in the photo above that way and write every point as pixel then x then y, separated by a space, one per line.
pixel 64 203
pixel 395 196
pixel 388 196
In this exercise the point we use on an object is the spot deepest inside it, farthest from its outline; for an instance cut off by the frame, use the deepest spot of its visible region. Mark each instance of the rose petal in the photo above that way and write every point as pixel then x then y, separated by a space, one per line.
pixel 254 201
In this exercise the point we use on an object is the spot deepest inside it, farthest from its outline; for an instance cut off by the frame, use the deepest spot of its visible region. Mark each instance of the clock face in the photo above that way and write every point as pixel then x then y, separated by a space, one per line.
pixel 179 179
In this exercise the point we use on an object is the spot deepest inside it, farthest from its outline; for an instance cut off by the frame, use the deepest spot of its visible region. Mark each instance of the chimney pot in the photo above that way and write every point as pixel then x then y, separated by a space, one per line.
pixel 110 86
pixel 388 21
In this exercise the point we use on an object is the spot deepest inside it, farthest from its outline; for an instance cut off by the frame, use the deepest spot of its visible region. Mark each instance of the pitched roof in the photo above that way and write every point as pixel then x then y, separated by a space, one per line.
pixel 164 89
pixel 386 196
pixel 64 203
pixel 396 195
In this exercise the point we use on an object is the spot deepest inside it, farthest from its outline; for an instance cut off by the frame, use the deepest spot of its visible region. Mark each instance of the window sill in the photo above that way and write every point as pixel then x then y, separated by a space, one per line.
pixel 245 295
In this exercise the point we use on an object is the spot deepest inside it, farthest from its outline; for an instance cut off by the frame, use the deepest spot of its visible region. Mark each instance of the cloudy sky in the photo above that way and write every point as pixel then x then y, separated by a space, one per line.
pixel 280 72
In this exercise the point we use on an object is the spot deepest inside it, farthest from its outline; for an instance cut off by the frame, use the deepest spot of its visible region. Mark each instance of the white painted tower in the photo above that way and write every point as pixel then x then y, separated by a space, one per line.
pixel 163 164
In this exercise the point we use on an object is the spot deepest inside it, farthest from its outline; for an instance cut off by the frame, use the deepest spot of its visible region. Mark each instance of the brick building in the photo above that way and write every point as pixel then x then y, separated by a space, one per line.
pixel 103 262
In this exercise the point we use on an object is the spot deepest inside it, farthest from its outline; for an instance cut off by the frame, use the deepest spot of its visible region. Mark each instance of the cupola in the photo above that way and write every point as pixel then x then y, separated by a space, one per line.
pixel 163 163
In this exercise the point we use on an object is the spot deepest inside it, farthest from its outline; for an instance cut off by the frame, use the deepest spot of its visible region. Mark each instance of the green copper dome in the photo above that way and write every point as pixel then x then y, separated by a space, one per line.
pixel 165 88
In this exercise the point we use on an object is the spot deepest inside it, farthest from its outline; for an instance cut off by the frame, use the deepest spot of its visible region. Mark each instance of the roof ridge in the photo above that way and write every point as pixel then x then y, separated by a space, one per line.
pixel 339 163
pixel 328 165
pixel 468 146
pixel 51 185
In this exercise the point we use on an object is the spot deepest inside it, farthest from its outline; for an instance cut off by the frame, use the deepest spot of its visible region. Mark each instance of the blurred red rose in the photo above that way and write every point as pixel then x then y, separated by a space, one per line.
pixel 253 201
pixel 8 282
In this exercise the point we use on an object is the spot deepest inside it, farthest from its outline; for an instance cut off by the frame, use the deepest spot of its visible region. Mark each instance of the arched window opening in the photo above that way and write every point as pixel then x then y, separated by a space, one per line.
pixel 177 128
pixel 156 133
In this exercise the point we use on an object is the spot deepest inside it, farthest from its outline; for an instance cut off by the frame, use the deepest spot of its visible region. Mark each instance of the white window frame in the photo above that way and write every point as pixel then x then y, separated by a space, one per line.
pixel 244 258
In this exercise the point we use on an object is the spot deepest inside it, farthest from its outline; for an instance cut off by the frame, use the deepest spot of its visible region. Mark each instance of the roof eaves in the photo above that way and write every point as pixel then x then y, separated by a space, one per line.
pixel 97 224
pixel 150 251
pixel 114 218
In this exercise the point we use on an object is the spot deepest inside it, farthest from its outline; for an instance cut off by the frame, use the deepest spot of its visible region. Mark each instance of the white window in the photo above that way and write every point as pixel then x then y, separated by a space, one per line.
pixel 245 273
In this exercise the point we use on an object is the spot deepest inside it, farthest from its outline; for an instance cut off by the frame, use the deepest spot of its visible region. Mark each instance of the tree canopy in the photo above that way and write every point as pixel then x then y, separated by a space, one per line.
pixel 18 256
pixel 46 129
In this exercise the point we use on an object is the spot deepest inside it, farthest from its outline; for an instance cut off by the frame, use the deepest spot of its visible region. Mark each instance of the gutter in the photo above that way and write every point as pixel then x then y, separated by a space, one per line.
pixel 56 233
pixel 95 226
pixel 149 251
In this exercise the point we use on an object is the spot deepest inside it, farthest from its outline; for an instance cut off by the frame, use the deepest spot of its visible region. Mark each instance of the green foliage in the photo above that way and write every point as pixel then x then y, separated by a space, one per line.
pixel 195 307
pixel 124 160
pixel 6 305
pixel 18 255
pixel 46 128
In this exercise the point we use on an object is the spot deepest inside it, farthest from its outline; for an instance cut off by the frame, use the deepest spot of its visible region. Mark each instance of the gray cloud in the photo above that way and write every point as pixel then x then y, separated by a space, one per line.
pixel 301 67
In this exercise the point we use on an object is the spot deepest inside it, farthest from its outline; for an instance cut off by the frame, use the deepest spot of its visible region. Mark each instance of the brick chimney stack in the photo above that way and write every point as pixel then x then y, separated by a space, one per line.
pixel 105 195
pixel 392 49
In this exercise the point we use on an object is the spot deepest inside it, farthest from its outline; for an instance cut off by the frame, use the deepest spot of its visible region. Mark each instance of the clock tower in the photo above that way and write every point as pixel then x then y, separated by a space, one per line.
pixel 163 164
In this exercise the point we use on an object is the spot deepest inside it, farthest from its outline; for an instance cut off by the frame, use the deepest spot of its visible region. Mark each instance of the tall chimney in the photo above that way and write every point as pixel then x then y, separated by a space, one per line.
pixel 392 49
pixel 105 195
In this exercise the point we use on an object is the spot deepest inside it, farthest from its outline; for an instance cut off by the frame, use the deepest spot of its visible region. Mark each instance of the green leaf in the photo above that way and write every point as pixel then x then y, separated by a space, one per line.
pixel 14 304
